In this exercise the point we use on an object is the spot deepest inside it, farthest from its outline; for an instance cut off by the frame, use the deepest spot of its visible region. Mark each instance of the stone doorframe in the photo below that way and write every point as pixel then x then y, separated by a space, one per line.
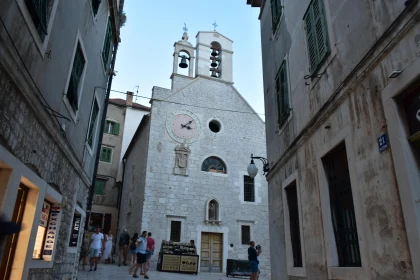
pixel 213 229
pixel 406 168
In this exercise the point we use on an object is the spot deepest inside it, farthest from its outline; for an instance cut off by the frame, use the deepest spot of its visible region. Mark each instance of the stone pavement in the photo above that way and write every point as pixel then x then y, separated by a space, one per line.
pixel 112 271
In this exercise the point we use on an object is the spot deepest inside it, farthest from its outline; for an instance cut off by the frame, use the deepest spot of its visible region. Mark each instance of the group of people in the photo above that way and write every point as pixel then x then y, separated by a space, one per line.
pixel 97 247
pixel 141 249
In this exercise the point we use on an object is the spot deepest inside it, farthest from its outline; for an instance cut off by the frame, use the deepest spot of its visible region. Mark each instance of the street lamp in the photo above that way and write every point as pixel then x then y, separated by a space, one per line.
pixel 252 168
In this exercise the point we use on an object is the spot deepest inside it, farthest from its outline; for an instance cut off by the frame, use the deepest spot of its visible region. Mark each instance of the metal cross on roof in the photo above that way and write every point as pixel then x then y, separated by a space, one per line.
pixel 215 25
pixel 185 27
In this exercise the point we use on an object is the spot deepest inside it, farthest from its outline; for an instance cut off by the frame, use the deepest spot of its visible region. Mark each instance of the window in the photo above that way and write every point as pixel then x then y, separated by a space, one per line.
pixel 213 164
pixel 249 189
pixel 95 6
pixel 175 231
pixel 41 234
pixel 316 35
pixel 99 186
pixel 276 11
pixel 99 220
pixel 213 210
pixel 107 45
pixel 292 203
pixel 245 235
pixel 106 154
pixel 40 11
pixel 214 126
pixel 76 74
pixel 282 94
pixel 112 127
pixel 342 207
pixel 92 123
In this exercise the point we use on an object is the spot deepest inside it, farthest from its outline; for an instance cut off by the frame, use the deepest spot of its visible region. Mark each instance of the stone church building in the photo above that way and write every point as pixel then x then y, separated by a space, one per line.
pixel 185 171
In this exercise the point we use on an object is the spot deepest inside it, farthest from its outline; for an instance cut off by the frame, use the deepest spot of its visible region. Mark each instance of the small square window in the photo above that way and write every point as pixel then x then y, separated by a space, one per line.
pixel 245 235
pixel 106 154
pixel 112 127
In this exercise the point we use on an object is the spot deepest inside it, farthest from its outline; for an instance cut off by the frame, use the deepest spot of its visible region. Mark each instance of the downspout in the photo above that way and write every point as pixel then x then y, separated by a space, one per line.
pixel 120 197
pixel 101 133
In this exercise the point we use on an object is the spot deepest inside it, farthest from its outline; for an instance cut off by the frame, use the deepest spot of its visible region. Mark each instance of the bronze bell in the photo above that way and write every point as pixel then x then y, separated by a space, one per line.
pixel 183 63
pixel 213 63
pixel 214 74
pixel 214 52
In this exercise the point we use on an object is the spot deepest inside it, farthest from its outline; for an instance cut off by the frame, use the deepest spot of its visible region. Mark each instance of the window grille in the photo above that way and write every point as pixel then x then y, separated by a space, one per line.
pixel 39 11
pixel 175 231
pixel 106 154
pixel 245 235
pixel 213 164
pixel 316 35
pixel 249 189
pixel 292 202
pixel 282 93
pixel 342 207
pixel 107 45
pixel 276 12
pixel 76 74
pixel 95 111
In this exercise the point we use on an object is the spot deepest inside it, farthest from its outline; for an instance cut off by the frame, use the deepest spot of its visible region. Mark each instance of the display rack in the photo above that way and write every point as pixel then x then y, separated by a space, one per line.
pixel 177 257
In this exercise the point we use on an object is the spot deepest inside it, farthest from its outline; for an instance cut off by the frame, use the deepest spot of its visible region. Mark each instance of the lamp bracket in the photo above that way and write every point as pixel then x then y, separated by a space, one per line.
pixel 266 167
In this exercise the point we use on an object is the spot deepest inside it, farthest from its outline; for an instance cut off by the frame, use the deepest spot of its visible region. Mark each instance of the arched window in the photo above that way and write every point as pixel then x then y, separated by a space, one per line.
pixel 213 210
pixel 213 164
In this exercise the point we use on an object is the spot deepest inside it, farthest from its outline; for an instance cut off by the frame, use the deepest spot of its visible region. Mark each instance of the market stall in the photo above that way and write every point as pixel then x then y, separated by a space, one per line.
pixel 177 257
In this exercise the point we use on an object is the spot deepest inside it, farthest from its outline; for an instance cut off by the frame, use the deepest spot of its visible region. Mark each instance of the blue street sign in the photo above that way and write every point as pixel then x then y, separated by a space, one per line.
pixel 383 142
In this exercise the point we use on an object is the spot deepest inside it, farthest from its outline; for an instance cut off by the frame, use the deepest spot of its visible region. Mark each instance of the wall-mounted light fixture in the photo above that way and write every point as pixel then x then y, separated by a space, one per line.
pixel 395 74
pixel 252 168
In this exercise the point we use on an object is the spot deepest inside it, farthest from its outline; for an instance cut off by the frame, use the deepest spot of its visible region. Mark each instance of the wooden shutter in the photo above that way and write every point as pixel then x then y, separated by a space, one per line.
pixel 107 44
pixel 99 186
pixel 282 94
pixel 116 128
pixel 95 111
pixel 276 11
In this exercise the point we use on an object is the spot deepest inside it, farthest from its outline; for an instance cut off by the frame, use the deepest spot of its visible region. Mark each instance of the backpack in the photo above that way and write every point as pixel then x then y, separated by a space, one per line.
pixel 133 246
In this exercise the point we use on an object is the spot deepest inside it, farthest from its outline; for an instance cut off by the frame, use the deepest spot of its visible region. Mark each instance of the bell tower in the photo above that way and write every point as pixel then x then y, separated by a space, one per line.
pixel 184 55
pixel 214 56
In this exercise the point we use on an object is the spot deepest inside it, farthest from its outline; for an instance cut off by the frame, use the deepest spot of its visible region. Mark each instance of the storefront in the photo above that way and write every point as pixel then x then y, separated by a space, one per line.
pixel 178 257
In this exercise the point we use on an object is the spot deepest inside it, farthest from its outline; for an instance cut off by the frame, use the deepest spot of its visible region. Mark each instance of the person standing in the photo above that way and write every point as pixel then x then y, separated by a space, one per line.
pixel 133 252
pixel 84 250
pixel 253 260
pixel 96 244
pixel 123 244
pixel 150 248
pixel 108 247
pixel 141 256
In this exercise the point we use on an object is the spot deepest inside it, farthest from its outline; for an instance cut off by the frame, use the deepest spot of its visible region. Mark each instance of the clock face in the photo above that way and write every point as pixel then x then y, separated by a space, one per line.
pixel 183 126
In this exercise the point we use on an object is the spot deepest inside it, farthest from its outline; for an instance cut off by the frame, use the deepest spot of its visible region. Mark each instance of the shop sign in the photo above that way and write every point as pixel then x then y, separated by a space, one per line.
pixel 170 262
pixel 189 263
pixel 75 231
pixel 51 233
pixel 383 142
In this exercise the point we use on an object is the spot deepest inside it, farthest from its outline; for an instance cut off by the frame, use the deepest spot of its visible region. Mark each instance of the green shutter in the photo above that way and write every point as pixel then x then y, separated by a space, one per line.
pixel 92 122
pixel 282 92
pixel 99 186
pixel 95 6
pixel 106 154
pixel 107 44
pixel 116 128
pixel 316 35
pixel 276 11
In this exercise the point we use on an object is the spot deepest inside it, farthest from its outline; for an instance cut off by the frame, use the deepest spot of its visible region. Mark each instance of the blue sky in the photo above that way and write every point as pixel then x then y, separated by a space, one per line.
pixel 145 54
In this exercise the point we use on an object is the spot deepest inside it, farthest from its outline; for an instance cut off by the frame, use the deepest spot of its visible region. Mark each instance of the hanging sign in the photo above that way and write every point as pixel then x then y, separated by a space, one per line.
pixel 75 230
pixel 51 233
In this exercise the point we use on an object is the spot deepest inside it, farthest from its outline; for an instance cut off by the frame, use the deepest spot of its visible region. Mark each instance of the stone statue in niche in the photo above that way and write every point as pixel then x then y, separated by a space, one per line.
pixel 212 211
pixel 182 153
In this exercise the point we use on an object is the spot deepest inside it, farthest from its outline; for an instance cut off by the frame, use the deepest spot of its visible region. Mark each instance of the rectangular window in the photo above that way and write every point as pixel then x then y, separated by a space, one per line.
pixel 76 74
pixel 245 235
pixel 40 11
pixel 316 35
pixel 342 207
pixel 249 189
pixel 282 93
pixel 41 234
pixel 96 220
pixel 106 154
pixel 292 203
pixel 107 45
pixel 276 11
pixel 92 123
pixel 99 186
pixel 175 231
pixel 95 6
pixel 112 127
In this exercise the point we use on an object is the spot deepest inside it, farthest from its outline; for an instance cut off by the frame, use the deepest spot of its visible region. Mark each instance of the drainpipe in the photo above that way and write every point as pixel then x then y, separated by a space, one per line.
pixel 101 133
pixel 120 198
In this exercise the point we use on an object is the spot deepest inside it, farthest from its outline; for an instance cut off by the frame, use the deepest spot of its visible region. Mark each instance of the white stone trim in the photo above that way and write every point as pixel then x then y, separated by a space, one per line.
pixel 334 271
pixel 291 270
pixel 74 115
pixel 41 45
pixel 406 167
pixel 78 210
pixel 219 210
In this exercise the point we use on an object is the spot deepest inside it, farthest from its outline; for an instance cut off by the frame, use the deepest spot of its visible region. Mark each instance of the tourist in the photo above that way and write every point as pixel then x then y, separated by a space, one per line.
pixel 96 245
pixel 133 252
pixel 258 248
pixel 141 256
pixel 193 245
pixel 150 248
pixel 123 247
pixel 84 250
pixel 108 247
pixel 253 261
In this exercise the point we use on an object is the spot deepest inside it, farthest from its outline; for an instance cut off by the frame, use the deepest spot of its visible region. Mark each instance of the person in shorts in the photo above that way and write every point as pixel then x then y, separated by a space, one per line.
pixel 96 245
pixel 253 260
pixel 141 256
pixel 150 248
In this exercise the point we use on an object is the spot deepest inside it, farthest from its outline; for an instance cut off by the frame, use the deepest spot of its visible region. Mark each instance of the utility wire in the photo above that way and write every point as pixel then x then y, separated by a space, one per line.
pixel 198 106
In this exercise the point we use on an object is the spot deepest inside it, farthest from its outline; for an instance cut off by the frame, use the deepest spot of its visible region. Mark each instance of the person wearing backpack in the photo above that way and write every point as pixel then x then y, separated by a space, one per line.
pixel 123 244
pixel 133 252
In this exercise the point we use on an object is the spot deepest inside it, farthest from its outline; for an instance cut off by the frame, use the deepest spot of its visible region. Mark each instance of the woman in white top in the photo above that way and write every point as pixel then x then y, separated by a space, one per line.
pixel 108 247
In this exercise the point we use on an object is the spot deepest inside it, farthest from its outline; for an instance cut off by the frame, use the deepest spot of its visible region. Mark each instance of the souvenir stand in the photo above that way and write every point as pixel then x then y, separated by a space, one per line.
pixel 177 257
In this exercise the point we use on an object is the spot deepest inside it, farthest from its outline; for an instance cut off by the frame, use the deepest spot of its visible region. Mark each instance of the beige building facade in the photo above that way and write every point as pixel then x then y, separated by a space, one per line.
pixel 341 83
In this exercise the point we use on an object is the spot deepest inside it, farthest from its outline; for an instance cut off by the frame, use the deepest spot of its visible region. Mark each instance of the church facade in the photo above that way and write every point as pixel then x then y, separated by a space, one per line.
pixel 185 171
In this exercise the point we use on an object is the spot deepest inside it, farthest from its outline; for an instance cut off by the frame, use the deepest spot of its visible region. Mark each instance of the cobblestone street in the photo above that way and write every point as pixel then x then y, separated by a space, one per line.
pixel 112 271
